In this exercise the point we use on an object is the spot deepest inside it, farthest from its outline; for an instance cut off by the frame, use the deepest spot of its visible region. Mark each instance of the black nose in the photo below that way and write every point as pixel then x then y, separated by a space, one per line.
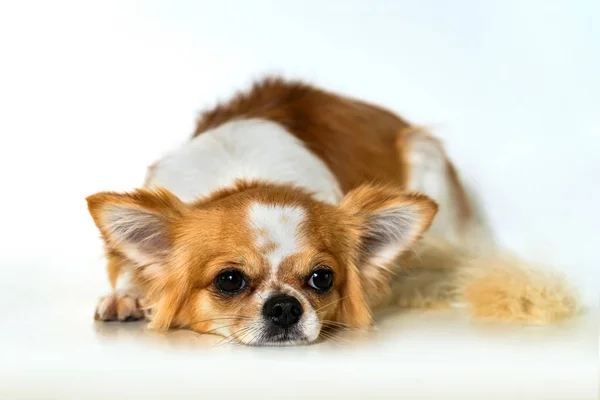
pixel 283 310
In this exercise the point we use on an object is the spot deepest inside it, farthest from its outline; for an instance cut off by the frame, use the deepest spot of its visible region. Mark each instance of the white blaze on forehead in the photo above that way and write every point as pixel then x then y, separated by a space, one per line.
pixel 278 226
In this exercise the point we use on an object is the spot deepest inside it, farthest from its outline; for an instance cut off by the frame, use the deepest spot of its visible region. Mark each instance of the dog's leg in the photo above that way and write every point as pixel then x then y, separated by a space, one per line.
pixel 125 303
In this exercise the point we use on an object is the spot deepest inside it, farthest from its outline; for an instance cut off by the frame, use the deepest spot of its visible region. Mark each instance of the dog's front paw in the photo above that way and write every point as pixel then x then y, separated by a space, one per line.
pixel 121 305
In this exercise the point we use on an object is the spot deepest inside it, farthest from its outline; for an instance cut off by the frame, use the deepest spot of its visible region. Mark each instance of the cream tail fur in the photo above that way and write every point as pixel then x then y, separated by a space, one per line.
pixel 457 261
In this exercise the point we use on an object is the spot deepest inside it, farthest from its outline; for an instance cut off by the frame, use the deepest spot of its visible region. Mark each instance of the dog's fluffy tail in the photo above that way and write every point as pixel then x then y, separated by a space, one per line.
pixel 493 284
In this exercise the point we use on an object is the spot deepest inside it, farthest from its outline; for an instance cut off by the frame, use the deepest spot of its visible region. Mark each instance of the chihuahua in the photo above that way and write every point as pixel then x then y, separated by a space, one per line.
pixel 292 211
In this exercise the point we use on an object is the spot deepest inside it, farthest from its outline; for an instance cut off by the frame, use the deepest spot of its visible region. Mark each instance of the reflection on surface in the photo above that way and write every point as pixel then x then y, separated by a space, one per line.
pixel 393 325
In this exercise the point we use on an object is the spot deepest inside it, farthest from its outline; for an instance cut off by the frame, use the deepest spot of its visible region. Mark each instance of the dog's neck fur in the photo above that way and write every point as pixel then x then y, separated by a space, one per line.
pixel 247 149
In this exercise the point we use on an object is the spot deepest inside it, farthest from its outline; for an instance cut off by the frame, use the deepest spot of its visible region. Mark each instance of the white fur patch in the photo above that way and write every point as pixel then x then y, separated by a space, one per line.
pixel 132 225
pixel 124 280
pixel 390 232
pixel 140 233
pixel 243 149
pixel 279 226
pixel 429 175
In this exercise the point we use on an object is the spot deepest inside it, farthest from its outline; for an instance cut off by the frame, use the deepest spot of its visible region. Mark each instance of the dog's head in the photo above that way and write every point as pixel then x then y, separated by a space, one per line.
pixel 263 264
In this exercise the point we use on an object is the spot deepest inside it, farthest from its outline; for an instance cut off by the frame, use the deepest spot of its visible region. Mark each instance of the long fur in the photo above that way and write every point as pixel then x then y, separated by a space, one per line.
pixel 493 285
pixel 365 164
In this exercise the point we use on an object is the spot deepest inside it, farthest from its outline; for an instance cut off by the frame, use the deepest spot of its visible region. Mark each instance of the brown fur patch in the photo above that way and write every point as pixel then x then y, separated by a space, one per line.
pixel 356 140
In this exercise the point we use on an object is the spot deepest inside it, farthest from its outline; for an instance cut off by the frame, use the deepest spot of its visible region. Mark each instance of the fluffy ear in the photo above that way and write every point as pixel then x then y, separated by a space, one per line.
pixel 137 224
pixel 388 223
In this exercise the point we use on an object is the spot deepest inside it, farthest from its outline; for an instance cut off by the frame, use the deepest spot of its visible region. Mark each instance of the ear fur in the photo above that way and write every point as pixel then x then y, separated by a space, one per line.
pixel 137 224
pixel 139 227
pixel 388 222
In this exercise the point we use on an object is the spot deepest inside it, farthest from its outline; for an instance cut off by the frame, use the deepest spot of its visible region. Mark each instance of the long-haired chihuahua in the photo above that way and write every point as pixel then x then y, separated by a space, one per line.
pixel 292 211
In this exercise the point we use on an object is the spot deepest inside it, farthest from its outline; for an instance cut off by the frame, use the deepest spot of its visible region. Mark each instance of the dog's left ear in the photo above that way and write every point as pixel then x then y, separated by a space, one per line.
pixel 387 222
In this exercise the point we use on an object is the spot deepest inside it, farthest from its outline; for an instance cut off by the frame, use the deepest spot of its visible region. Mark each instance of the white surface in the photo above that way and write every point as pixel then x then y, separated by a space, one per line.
pixel 92 92
pixel 52 349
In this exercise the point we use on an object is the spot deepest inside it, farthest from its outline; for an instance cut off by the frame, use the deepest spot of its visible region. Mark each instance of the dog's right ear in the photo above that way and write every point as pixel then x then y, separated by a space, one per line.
pixel 138 224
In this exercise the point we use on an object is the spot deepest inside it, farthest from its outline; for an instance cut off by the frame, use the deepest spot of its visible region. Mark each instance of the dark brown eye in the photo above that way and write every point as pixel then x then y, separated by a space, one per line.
pixel 230 282
pixel 321 279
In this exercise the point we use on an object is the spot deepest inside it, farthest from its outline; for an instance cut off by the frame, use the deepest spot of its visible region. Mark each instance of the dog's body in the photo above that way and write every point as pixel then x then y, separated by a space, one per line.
pixel 286 171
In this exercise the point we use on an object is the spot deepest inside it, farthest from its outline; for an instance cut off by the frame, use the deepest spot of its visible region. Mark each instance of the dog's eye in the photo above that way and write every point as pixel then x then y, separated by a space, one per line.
pixel 230 282
pixel 321 279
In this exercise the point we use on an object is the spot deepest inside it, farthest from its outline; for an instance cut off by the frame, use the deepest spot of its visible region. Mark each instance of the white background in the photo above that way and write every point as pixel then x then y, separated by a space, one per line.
pixel 92 92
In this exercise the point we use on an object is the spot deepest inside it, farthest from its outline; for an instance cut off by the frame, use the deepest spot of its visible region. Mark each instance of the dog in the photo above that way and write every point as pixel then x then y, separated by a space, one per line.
pixel 293 211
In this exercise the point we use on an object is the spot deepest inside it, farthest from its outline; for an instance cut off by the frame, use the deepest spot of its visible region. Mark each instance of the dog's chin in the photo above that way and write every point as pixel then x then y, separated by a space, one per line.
pixel 284 342
pixel 281 338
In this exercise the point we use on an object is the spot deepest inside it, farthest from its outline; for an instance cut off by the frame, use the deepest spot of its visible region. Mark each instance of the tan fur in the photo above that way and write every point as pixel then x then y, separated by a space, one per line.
pixel 495 286
pixel 427 275
pixel 503 287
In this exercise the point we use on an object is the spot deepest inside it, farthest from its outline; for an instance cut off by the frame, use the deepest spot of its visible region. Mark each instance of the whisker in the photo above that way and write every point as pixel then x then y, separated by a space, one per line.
pixel 232 335
pixel 214 319
pixel 234 340
pixel 216 329
pixel 261 336
pixel 257 332
pixel 333 339
pixel 328 304
pixel 416 254
pixel 336 324
pixel 230 338
pixel 250 332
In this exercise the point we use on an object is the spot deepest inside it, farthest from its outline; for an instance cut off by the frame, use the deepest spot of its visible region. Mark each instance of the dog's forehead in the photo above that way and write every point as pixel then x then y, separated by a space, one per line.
pixel 278 231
